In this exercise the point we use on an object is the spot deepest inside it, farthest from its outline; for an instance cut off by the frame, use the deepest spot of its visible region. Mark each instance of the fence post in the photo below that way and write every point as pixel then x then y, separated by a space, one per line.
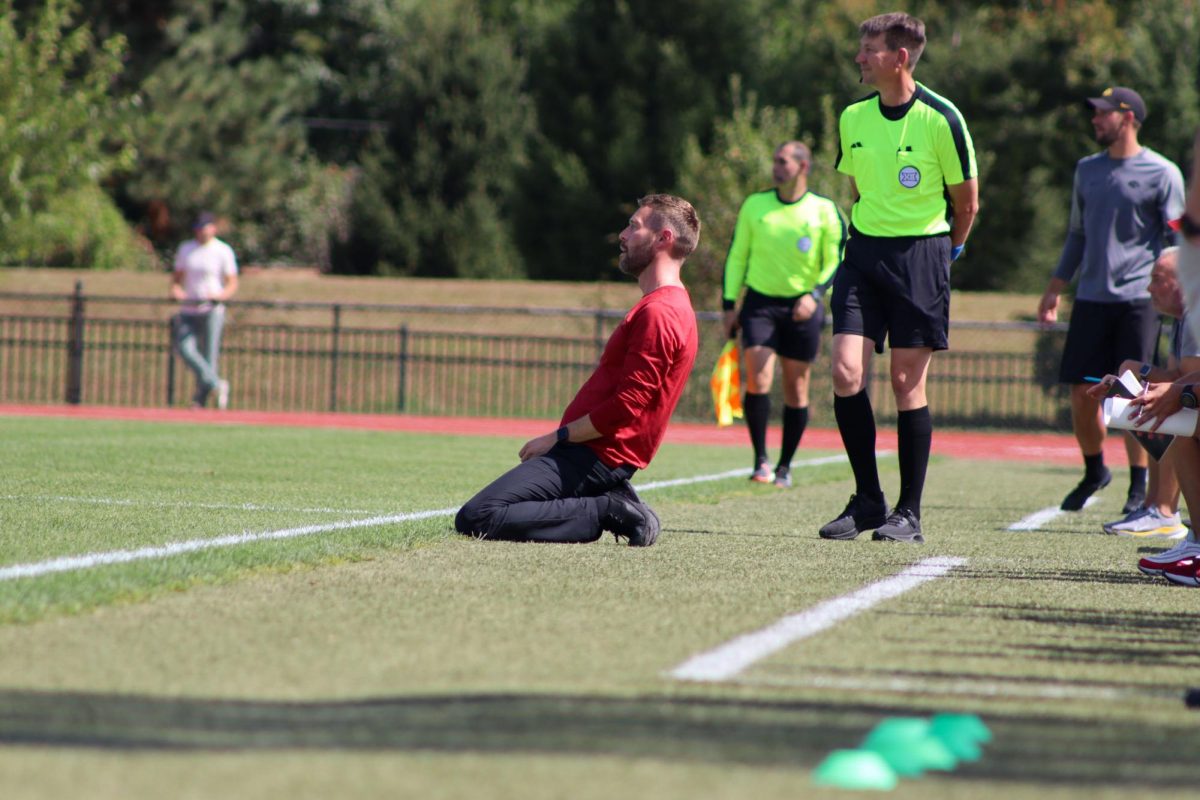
pixel 171 362
pixel 333 356
pixel 598 334
pixel 75 348
pixel 402 363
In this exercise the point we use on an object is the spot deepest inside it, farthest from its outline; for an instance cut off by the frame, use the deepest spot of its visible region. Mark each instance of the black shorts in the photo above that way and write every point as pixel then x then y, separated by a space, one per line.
pixel 767 322
pixel 896 287
pixel 1102 335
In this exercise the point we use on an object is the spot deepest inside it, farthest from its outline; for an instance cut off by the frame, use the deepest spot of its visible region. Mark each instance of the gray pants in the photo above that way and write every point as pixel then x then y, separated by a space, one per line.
pixel 198 340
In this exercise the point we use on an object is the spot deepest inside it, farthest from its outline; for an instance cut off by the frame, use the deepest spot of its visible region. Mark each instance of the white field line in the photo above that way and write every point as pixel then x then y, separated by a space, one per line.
pixel 726 661
pixel 974 687
pixel 116 501
pixel 1039 518
pixel 73 563
pixel 90 560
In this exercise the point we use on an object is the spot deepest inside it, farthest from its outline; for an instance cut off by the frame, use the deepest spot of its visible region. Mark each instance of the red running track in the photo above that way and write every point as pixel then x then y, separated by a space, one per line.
pixel 1048 448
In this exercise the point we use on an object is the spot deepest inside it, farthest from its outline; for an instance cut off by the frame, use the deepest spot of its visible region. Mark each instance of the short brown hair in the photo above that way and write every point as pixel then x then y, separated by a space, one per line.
pixel 669 211
pixel 899 30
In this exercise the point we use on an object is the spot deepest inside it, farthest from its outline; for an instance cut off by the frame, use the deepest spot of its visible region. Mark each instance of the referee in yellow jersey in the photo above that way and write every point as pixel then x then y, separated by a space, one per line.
pixel 912 167
pixel 786 245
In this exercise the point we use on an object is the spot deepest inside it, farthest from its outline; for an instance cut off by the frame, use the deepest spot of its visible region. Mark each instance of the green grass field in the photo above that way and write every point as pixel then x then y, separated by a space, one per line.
pixel 397 659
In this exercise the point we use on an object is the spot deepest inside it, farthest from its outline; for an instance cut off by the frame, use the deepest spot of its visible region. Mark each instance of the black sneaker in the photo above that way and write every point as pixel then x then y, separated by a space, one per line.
pixel 901 526
pixel 631 518
pixel 1134 500
pixel 859 515
pixel 1086 488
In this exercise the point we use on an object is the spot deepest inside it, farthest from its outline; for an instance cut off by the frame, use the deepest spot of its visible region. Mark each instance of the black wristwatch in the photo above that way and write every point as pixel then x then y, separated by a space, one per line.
pixel 1145 371
pixel 562 435
pixel 1187 397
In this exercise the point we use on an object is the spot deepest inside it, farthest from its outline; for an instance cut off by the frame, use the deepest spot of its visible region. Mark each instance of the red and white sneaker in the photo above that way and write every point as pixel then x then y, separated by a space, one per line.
pixel 1154 565
pixel 1183 572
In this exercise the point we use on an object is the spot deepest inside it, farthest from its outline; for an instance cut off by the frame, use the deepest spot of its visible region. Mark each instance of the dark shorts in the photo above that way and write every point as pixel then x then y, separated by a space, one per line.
pixel 767 322
pixel 1102 335
pixel 894 287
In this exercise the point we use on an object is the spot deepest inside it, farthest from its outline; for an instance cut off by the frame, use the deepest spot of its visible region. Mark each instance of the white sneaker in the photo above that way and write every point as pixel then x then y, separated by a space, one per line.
pixel 222 395
pixel 1130 517
pixel 1151 525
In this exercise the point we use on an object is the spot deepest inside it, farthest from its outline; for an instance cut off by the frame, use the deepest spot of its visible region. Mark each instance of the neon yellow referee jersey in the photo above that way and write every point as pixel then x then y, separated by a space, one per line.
pixel 783 249
pixel 902 159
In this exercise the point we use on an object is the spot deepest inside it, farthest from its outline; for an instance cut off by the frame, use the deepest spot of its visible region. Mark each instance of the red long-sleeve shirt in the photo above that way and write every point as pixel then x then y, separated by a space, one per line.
pixel 640 378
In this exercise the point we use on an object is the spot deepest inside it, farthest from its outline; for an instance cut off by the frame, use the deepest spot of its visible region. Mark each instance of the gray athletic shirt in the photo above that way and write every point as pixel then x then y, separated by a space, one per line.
pixel 1119 214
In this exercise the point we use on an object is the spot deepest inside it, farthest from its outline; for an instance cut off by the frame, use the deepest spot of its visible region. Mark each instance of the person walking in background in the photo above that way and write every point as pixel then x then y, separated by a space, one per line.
pixel 205 275
pixel 573 483
pixel 1122 203
pixel 786 245
pixel 913 174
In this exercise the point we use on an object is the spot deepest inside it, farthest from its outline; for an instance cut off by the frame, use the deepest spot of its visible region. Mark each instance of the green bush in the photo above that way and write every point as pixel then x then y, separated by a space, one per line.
pixel 78 228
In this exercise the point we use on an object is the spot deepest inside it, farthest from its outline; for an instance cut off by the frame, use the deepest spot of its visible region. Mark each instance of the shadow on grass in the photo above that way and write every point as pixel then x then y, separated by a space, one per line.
pixel 782 734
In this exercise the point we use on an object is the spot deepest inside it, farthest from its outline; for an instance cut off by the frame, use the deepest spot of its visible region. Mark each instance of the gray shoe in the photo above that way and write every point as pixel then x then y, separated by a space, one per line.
pixel 901 526
pixel 860 514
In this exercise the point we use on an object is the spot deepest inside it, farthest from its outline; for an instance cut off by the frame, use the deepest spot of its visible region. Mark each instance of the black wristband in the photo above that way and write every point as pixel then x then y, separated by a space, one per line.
pixel 1188 226
pixel 562 435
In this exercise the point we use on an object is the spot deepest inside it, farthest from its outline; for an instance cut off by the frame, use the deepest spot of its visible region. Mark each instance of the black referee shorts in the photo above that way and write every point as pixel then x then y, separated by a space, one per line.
pixel 1102 335
pixel 898 287
pixel 767 322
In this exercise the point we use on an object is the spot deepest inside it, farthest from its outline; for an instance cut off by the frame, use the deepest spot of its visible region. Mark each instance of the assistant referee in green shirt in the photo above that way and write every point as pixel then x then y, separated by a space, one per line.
pixel 912 166
pixel 786 245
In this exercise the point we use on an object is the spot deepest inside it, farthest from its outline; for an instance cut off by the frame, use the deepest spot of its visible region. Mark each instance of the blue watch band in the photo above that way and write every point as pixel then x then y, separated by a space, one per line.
pixel 956 251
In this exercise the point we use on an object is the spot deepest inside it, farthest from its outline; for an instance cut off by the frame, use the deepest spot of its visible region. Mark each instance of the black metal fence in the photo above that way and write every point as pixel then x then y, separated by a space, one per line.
pixel 447 360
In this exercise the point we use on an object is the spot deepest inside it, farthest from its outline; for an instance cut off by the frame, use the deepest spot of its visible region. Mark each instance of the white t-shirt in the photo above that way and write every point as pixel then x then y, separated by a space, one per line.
pixel 205 268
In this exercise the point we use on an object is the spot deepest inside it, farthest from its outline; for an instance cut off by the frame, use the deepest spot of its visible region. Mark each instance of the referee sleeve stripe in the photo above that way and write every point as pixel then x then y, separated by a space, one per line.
pixel 958 131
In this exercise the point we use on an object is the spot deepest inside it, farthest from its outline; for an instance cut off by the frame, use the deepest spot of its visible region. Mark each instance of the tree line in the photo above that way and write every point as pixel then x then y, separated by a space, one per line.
pixel 510 138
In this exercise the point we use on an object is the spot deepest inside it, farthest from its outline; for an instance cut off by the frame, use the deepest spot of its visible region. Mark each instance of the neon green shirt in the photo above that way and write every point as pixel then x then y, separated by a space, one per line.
pixel 901 160
pixel 783 249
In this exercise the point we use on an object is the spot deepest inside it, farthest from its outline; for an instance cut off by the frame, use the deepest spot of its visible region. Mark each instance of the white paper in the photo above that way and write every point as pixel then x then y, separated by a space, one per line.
pixel 1118 414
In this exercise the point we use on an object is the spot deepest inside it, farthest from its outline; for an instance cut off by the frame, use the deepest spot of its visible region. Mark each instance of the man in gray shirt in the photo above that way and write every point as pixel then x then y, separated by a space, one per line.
pixel 1122 203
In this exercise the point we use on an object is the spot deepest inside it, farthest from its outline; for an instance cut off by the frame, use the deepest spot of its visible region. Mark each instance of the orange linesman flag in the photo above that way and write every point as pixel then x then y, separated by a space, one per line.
pixel 726 385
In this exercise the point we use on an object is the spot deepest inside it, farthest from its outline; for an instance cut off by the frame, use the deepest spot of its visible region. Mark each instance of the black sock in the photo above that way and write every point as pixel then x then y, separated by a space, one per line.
pixel 1137 479
pixel 757 409
pixel 1093 466
pixel 795 420
pixel 914 436
pixel 856 424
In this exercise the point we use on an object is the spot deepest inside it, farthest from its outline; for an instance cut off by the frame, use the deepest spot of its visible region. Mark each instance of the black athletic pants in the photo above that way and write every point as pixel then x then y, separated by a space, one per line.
pixel 556 497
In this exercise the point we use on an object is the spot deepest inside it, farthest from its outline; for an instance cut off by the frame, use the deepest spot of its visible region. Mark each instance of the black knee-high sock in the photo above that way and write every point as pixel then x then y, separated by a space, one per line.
pixel 914 435
pixel 757 410
pixel 856 423
pixel 795 420
pixel 1137 479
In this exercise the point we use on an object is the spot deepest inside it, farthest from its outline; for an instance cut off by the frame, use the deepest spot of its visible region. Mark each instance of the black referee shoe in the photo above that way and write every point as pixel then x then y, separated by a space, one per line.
pixel 1086 488
pixel 859 515
pixel 901 526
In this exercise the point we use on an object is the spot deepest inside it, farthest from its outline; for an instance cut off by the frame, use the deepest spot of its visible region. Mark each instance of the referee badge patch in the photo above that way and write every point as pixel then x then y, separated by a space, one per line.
pixel 910 177
pixel 804 244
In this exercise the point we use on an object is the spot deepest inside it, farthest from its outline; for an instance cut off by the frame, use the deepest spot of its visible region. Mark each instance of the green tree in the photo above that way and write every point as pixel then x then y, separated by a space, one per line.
pixel 620 86
pixel 223 130
pixel 437 183
pixel 60 132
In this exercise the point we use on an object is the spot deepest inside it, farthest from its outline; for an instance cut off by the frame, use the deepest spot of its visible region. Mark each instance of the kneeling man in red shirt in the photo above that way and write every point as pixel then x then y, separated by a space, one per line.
pixel 573 484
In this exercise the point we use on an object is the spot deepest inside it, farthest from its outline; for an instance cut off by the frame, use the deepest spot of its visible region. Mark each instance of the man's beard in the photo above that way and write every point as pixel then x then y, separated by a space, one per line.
pixel 634 262
pixel 1106 138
